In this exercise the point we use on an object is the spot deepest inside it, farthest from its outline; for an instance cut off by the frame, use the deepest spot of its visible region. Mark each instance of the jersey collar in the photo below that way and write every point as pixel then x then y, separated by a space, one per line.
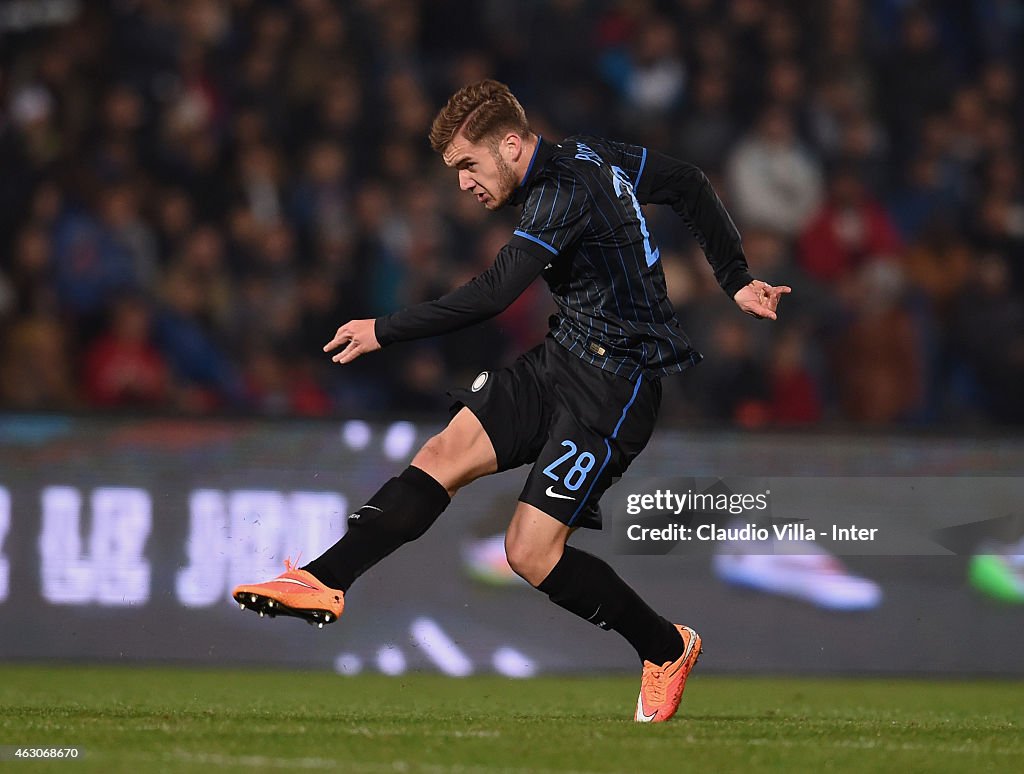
pixel 541 154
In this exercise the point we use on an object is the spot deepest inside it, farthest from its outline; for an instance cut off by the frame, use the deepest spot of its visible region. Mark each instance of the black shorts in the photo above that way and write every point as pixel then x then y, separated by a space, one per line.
pixel 580 425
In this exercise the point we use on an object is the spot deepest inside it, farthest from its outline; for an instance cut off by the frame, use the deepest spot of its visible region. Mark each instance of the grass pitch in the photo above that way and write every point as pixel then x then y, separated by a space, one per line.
pixel 134 719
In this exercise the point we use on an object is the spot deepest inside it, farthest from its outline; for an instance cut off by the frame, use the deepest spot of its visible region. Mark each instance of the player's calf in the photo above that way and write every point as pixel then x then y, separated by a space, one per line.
pixel 401 511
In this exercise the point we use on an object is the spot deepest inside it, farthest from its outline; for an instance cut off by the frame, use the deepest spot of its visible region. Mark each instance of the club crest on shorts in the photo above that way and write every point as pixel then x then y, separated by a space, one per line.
pixel 479 382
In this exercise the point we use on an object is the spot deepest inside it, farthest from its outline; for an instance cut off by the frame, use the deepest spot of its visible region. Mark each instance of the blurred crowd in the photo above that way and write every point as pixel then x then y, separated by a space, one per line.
pixel 194 194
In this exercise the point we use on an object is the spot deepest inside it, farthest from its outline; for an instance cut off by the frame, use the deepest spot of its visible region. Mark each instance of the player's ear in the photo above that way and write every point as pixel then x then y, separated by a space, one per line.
pixel 512 146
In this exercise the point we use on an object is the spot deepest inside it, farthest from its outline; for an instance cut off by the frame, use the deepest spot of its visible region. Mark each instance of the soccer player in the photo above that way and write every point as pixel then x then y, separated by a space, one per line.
pixel 580 406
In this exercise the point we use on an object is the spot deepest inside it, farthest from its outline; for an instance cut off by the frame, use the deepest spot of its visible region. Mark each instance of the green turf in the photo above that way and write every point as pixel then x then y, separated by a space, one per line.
pixel 130 719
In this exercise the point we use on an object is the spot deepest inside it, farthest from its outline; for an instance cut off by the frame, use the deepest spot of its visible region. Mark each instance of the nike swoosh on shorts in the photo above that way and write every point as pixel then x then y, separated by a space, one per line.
pixel 551 493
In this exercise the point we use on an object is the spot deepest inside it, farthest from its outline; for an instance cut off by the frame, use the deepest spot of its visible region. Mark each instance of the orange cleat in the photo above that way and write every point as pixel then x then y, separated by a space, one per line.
pixel 296 593
pixel 661 687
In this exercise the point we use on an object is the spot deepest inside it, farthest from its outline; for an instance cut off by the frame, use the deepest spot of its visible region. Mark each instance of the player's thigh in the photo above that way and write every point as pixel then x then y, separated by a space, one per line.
pixel 512 406
pixel 459 454
pixel 591 443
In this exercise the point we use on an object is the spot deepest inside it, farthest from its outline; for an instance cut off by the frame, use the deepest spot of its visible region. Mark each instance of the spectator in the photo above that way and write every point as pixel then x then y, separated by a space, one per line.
pixel 276 387
pixel 988 329
pixel 122 368
pixel 851 228
pixel 915 78
pixel 31 274
pixel 708 128
pixel 93 261
pixel 922 199
pixel 205 378
pixel 878 359
pixel 939 264
pixel 737 384
pixel 654 78
pixel 35 370
pixel 775 182
pixel 795 398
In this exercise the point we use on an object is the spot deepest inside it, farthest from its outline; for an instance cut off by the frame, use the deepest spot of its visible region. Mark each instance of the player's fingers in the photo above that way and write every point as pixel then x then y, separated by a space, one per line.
pixel 774 295
pixel 348 354
pixel 337 357
pixel 341 337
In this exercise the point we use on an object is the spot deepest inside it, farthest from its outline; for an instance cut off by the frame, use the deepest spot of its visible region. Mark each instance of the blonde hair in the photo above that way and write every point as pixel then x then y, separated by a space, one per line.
pixel 483 111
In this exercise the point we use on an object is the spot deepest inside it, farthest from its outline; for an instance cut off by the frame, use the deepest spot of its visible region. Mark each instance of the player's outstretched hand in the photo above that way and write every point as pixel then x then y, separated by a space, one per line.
pixel 358 336
pixel 760 299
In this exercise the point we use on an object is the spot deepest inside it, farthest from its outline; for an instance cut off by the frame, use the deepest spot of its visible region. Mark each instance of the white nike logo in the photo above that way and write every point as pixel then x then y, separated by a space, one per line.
pixel 296 581
pixel 550 492
pixel 641 716
pixel 357 514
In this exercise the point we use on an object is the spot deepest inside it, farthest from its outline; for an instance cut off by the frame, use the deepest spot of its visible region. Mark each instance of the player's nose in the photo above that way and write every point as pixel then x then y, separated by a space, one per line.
pixel 466 183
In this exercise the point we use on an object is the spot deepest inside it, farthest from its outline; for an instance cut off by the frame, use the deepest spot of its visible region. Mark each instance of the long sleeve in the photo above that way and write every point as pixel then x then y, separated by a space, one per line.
pixel 483 297
pixel 664 180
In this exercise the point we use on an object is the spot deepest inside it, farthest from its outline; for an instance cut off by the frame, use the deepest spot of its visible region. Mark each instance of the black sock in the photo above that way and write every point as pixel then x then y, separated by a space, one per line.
pixel 590 588
pixel 401 511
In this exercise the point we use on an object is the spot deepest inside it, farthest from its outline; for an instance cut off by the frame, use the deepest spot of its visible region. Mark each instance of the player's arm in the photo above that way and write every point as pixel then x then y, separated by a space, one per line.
pixel 483 297
pixel 665 180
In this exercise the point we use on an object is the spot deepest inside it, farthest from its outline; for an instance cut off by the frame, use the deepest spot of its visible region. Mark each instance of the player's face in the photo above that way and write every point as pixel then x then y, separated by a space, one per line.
pixel 483 171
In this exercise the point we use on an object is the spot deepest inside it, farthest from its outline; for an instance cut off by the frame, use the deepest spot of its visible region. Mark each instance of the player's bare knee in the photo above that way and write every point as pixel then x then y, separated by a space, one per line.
pixel 519 559
pixel 457 456
pixel 438 453
pixel 529 561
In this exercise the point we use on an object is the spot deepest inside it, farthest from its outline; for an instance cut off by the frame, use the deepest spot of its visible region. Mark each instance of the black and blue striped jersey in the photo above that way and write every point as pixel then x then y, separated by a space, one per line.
pixel 583 228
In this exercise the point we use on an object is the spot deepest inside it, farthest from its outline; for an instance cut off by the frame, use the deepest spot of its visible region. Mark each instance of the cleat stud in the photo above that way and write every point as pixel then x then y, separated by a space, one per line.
pixel 327 617
pixel 241 605
pixel 261 613
pixel 252 597
pixel 320 626
pixel 270 603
